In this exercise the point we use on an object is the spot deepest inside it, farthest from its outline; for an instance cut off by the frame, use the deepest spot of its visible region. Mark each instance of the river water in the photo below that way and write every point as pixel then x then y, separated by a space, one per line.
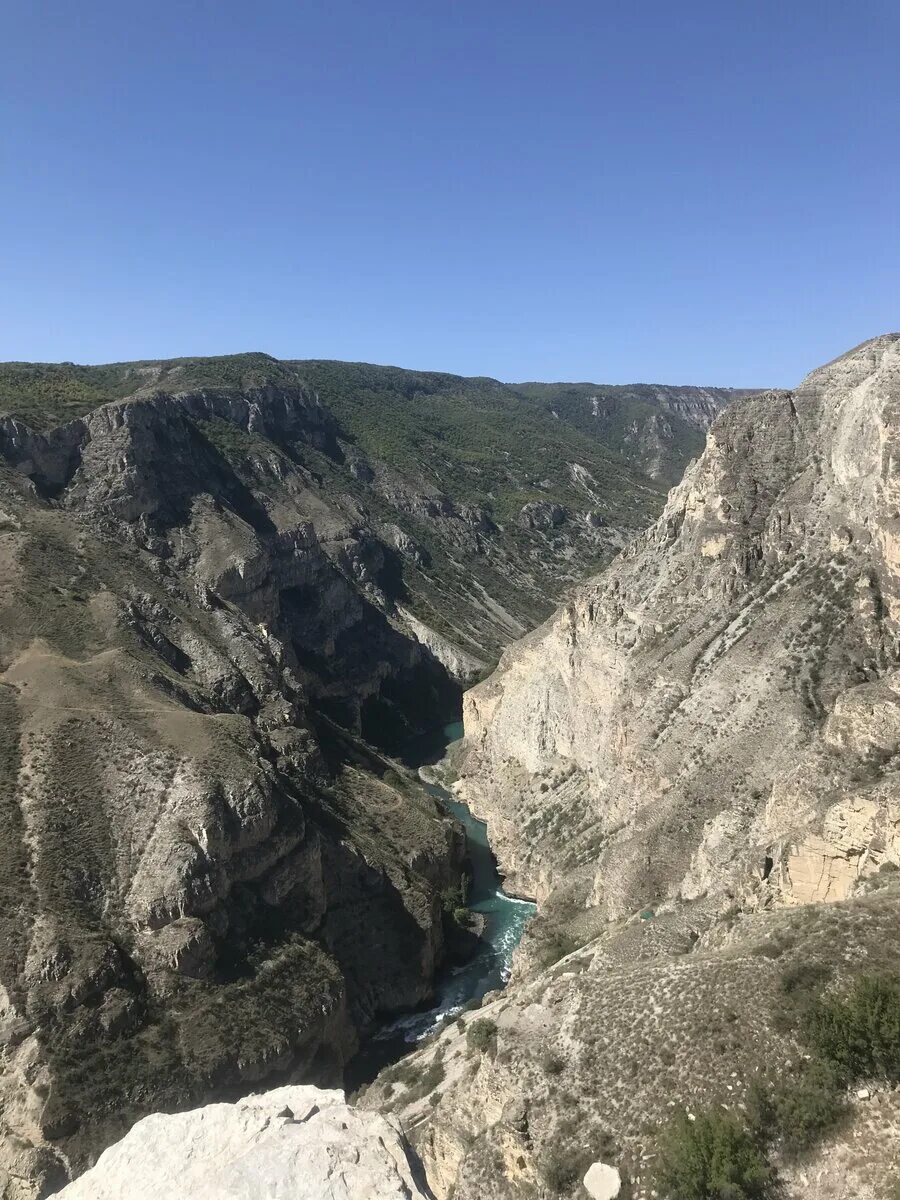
pixel 504 919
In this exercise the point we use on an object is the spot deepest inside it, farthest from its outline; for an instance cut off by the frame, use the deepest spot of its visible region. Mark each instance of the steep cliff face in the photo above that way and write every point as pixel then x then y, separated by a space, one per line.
pixel 478 502
pixel 716 715
pixel 693 765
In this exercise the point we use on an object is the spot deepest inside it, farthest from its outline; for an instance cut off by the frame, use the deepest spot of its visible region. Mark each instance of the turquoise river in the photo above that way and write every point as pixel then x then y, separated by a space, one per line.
pixel 503 923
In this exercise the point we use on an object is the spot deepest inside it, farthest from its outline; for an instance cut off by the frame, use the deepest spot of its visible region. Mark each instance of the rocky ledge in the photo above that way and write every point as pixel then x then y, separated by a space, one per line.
pixel 292 1143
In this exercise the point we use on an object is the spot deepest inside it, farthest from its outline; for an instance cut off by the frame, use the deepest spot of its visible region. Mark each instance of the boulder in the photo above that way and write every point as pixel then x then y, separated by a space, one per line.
pixel 602 1182
pixel 292 1143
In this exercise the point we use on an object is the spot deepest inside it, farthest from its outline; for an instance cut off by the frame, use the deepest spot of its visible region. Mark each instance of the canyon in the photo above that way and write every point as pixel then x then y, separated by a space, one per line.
pixel 232 591
pixel 226 611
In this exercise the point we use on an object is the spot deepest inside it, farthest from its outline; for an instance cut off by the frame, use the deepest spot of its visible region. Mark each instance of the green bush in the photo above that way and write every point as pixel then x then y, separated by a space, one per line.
pixel 553 1064
pixel 481 1035
pixel 859 1032
pixel 803 978
pixel 562 1171
pixel 454 902
pixel 798 1111
pixel 418 1083
pixel 715 1157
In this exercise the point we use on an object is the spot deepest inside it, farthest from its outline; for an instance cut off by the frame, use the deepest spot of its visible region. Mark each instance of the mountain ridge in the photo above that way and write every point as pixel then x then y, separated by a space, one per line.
pixel 511 503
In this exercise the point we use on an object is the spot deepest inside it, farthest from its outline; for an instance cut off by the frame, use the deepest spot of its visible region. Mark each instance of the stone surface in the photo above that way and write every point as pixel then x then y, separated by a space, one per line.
pixel 225 598
pixel 293 1143
pixel 402 496
pixel 724 696
pixel 210 876
pixel 602 1182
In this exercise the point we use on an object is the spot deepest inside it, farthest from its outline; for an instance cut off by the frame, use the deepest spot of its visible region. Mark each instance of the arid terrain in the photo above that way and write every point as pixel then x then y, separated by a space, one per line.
pixel 224 603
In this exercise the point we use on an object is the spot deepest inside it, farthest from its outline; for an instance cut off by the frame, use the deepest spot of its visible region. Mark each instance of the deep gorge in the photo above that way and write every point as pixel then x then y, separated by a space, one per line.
pixel 499 922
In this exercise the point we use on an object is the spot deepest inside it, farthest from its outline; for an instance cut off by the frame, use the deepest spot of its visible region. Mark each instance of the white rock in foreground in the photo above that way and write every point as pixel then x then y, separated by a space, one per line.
pixel 602 1182
pixel 293 1143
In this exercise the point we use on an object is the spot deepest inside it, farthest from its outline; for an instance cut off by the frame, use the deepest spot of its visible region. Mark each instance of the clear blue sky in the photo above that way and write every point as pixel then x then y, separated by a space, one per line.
pixel 680 192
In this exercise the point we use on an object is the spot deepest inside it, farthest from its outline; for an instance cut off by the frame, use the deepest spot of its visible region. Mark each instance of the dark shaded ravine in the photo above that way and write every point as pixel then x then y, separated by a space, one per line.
pixel 503 920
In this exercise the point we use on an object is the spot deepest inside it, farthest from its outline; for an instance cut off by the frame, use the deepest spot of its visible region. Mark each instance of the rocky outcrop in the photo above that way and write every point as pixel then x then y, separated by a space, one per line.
pixel 602 1182
pixel 297 1142
pixel 219 614
pixel 401 494
pixel 588 1059
pixel 715 716
pixel 462 666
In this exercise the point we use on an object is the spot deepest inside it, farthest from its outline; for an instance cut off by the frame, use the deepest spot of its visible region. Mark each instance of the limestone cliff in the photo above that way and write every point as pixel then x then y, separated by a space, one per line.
pixel 716 715
pixel 464 506
pixel 228 589
pixel 210 874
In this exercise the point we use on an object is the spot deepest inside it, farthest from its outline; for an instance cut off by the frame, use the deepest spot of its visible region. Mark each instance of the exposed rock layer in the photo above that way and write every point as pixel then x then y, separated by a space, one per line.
pixel 447 481
pixel 717 714
pixel 209 879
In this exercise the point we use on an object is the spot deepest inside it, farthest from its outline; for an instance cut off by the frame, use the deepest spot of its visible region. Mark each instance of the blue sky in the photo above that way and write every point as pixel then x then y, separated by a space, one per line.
pixel 686 193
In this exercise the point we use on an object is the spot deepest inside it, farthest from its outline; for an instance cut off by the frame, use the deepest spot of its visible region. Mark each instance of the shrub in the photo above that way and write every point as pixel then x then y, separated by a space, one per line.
pixel 714 1157
pixel 859 1032
pixel 433 1075
pixel 561 1173
pixel 453 903
pixel 418 1082
pixel 553 1064
pixel 804 977
pixel 481 1035
pixel 797 1111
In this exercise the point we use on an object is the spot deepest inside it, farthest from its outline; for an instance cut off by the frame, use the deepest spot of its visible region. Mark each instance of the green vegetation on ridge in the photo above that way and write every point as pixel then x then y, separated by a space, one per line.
pixel 47 395
pixel 851 1036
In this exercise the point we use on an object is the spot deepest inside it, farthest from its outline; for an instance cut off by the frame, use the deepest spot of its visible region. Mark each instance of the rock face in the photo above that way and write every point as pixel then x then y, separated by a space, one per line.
pixel 293 1143
pixel 589 1058
pixel 717 714
pixel 693 766
pixel 602 1182
pixel 445 480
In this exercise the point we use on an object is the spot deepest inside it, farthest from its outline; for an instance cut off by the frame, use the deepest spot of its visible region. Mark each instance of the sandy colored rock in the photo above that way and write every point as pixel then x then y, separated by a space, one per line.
pixel 716 714
pixel 693 766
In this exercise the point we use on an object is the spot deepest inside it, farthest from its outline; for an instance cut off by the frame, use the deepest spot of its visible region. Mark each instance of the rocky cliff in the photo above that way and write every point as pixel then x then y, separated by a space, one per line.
pixel 693 766
pixel 209 876
pixel 715 716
